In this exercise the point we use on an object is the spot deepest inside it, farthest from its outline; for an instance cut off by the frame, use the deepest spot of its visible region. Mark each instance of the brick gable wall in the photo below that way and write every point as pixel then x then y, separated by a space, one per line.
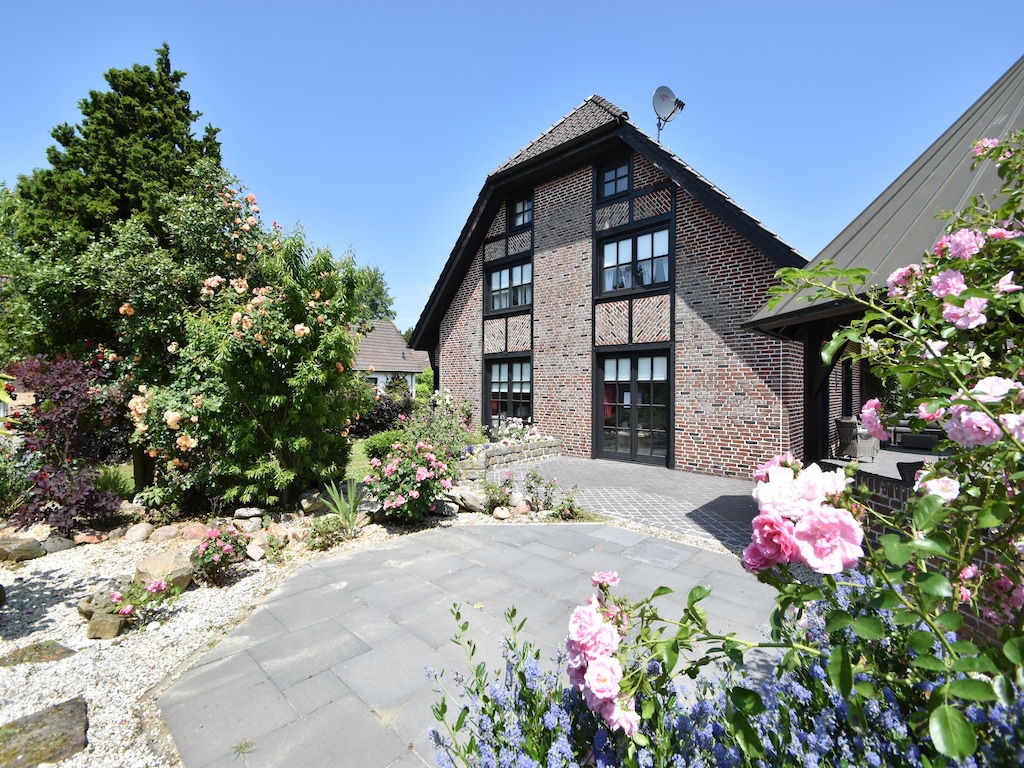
pixel 738 394
pixel 460 349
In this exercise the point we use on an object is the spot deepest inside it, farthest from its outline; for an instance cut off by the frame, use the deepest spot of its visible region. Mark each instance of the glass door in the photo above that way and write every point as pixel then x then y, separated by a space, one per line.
pixel 634 408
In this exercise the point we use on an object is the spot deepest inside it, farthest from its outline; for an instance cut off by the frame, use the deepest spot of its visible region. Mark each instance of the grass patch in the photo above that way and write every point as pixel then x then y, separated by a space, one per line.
pixel 358 462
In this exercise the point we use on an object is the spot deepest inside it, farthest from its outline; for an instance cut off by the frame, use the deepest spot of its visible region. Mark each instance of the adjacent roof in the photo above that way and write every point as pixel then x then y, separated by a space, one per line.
pixel 897 228
pixel 593 129
pixel 385 349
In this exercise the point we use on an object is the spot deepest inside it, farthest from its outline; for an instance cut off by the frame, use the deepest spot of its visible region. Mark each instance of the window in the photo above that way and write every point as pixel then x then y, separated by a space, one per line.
pixel 637 261
pixel 614 180
pixel 511 287
pixel 521 213
pixel 511 395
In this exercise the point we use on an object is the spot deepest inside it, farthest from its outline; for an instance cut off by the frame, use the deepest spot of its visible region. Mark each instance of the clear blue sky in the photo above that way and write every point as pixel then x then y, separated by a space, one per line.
pixel 375 124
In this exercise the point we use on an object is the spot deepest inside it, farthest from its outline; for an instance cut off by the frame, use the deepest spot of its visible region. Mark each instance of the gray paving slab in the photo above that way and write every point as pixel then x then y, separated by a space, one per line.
pixel 329 671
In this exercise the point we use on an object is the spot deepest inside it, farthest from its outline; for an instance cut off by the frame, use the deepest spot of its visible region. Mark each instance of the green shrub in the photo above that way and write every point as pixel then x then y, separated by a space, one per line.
pixel 377 446
pixel 117 480
pixel 325 532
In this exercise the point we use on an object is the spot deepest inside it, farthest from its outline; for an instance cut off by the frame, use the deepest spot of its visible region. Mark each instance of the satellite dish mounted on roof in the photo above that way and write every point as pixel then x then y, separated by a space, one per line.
pixel 665 106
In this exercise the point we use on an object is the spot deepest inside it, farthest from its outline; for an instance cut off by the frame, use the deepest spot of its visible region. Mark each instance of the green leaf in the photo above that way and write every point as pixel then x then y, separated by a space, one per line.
pixel 1013 649
pixel 973 689
pixel 647 709
pixel 933 584
pixel 904 618
pixel 950 621
pixel 670 654
pixel 661 591
pixel 981 663
pixel 462 718
pixel 745 734
pixel 931 545
pixel 868 628
pixel 921 641
pixel 840 671
pixel 993 515
pixel 929 662
pixel 929 512
pixel 896 552
pixel 952 735
pixel 885 601
pixel 697 594
pixel 837 620
pixel 747 701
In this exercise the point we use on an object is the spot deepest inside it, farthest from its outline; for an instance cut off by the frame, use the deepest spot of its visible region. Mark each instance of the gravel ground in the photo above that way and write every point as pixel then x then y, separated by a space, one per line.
pixel 119 677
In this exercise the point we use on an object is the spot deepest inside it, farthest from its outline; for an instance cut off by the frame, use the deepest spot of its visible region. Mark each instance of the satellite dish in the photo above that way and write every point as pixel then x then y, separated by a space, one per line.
pixel 665 106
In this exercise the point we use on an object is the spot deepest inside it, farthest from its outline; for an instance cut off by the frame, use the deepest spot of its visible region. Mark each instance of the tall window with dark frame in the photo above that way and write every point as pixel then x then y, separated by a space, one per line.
pixel 511 287
pixel 521 212
pixel 614 180
pixel 635 262
pixel 511 390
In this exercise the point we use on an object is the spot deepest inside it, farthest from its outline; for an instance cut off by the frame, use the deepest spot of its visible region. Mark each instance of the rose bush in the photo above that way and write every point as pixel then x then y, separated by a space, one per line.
pixel 409 480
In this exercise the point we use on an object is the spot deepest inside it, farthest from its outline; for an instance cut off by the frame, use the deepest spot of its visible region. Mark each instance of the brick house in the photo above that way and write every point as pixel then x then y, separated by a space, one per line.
pixel 383 356
pixel 598 288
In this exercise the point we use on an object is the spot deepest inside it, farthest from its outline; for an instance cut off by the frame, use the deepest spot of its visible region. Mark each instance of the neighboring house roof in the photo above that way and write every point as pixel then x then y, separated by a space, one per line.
pixel 385 349
pixel 897 228
pixel 593 129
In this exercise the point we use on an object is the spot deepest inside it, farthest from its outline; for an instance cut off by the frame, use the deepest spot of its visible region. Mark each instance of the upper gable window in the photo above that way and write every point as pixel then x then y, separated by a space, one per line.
pixel 614 180
pixel 521 212
pixel 635 262
pixel 510 287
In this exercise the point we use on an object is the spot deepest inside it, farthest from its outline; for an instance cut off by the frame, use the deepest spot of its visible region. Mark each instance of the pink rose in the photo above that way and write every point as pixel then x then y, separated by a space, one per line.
pixel 786 459
pixel 1006 284
pixel 1001 233
pixel 969 316
pixel 611 578
pixel 216 557
pixel 620 718
pixel 1013 423
pixel 965 243
pixel 923 412
pixel 933 349
pixel 946 488
pixel 871 416
pixel 969 572
pixel 421 474
pixel 603 642
pixel 829 539
pixel 773 538
pixel 116 597
pixel 754 560
pixel 970 429
pixel 949 282
pixel 583 624
pixel 901 278
pixel 602 678
pixel 992 389
pixel 156 586
pixel 126 609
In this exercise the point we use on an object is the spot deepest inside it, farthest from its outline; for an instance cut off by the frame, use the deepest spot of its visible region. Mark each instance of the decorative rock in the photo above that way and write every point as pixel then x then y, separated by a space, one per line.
pixel 469 498
pixel 48 736
pixel 312 504
pixel 250 525
pixel 139 532
pixel 117 533
pixel 501 513
pixel 99 601
pixel 57 544
pixel 173 567
pixel 291 517
pixel 254 551
pixel 164 533
pixel 522 508
pixel 245 513
pixel 88 537
pixel 18 549
pixel 194 531
pixel 515 499
pixel 104 626
pixel 132 509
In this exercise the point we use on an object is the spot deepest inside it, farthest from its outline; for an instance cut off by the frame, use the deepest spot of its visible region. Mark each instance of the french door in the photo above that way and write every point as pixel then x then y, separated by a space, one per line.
pixel 634 408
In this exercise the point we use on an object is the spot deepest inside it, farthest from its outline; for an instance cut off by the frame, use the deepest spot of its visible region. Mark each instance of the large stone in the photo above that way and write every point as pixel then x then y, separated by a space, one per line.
pixel 194 531
pixel 55 543
pixel 254 551
pixel 173 567
pixel 18 549
pixel 48 736
pixel 246 513
pixel 250 525
pixel 469 498
pixel 131 510
pixel 515 499
pixel 502 513
pixel 164 533
pixel 88 536
pixel 139 532
pixel 312 503
pixel 104 626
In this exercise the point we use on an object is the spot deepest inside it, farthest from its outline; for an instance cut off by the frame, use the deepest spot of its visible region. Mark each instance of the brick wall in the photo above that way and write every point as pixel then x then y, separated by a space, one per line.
pixel 738 394
pixel 562 295
pixel 460 349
